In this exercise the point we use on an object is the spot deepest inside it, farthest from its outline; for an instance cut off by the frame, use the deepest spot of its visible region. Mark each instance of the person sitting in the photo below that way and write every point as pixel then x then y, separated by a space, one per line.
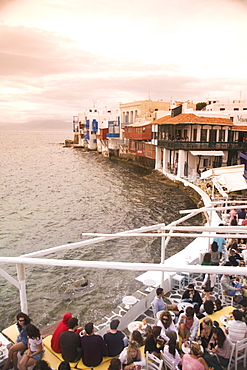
pixel 207 259
pixel 70 342
pixel 206 331
pixel 171 352
pixel 42 365
pixel 188 325
pixel 194 360
pixel 131 357
pixel 61 327
pixel 137 337
pixel 237 328
pixel 243 306
pixel 35 348
pixel 207 308
pixel 168 329
pixel 232 257
pixel 227 285
pixel 93 347
pixel 64 365
pixel 21 342
pixel 114 339
pixel 218 305
pixel 152 340
pixel 192 296
pixel 115 364
pixel 158 304
pixel 215 254
pixel 219 345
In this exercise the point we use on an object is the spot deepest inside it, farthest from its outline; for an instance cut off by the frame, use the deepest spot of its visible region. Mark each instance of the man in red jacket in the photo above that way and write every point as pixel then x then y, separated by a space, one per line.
pixel 62 326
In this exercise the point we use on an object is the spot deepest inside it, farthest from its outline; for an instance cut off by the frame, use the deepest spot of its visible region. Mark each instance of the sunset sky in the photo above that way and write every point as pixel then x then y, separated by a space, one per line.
pixel 59 57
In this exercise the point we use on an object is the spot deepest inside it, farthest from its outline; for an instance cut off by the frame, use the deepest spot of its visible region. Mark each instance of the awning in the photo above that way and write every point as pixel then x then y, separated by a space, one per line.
pixel 227 178
pixel 209 152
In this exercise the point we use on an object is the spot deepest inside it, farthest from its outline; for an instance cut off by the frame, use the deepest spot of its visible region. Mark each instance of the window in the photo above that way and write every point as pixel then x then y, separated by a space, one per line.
pixel 222 108
pixel 204 135
pixel 244 108
pixel 222 135
pixel 205 162
pixel 235 108
pixel 195 134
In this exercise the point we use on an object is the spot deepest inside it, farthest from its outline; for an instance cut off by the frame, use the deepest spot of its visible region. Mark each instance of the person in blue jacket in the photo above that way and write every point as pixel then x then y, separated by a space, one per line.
pixel 22 341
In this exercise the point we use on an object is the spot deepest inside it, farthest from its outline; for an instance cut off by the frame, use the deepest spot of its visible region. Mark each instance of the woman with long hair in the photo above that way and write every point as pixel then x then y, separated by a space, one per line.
pixel 218 352
pixel 115 364
pixel 206 331
pixel 137 337
pixel 171 352
pixel 194 360
pixel 152 340
pixel 131 357
pixel 21 343
pixel 168 329
pixel 35 348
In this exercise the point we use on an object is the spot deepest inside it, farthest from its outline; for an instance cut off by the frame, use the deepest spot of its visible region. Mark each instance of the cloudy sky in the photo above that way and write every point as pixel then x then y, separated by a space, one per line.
pixel 59 57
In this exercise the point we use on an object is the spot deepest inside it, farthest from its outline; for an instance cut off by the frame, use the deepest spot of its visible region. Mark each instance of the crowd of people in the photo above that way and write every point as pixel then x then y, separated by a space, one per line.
pixel 209 343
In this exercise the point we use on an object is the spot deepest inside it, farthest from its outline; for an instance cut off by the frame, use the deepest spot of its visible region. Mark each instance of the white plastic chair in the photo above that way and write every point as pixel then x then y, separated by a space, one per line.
pixel 231 360
pixel 240 352
pixel 153 362
pixel 168 364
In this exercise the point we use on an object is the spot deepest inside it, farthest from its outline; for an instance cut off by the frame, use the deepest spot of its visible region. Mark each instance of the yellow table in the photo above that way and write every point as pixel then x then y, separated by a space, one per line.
pixel 216 315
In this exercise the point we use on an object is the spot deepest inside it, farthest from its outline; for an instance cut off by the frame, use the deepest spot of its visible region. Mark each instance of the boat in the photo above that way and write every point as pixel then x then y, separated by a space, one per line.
pixel 186 262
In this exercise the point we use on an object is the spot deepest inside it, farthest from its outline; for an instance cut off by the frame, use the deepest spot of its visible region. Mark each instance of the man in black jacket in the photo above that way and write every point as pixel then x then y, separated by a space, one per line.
pixel 192 296
pixel 70 342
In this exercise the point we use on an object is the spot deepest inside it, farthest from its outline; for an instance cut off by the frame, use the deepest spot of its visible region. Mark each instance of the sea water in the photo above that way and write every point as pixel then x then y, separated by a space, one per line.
pixel 49 196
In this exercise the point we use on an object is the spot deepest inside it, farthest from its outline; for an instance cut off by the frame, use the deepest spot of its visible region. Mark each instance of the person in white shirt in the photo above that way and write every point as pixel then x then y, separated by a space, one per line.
pixel 168 329
pixel 236 329
pixel 171 352
pixel 188 324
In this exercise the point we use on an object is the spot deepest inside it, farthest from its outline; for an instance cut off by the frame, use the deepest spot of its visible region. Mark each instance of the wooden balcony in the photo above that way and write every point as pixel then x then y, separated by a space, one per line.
pixel 200 145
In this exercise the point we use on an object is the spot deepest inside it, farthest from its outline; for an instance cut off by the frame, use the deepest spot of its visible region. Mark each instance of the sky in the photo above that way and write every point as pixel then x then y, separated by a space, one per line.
pixel 60 57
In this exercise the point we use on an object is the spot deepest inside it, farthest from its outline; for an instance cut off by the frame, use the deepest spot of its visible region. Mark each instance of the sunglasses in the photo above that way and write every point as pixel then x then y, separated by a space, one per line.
pixel 164 319
pixel 21 320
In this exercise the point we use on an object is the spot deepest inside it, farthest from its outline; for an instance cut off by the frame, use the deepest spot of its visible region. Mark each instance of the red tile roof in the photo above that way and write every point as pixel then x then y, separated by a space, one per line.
pixel 240 128
pixel 192 118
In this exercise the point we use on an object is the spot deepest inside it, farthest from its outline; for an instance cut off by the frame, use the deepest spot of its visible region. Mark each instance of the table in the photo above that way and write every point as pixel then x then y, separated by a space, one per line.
pixel 183 305
pixel 129 300
pixel 216 315
pixel 134 325
pixel 150 284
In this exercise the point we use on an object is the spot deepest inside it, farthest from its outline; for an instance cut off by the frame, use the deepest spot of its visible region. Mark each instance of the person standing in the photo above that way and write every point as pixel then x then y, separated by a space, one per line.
pixel 93 347
pixel 70 342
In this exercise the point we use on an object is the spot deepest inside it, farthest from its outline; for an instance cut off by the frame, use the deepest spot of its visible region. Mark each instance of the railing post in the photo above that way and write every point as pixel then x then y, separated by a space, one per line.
pixel 22 290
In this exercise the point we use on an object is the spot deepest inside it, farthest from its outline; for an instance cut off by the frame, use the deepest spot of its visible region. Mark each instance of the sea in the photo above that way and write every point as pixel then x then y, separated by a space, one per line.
pixel 50 195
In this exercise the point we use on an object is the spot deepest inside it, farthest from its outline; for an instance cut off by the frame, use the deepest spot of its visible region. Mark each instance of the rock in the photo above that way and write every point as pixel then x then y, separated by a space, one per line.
pixel 76 285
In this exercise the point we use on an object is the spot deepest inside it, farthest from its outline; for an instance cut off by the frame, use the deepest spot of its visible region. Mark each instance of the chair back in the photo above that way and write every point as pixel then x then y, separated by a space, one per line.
pixel 232 348
pixel 153 362
pixel 168 363
pixel 240 352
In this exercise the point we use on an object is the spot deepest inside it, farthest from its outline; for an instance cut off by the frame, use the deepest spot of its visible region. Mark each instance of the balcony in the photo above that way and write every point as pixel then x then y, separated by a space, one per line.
pixel 112 135
pixel 201 145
